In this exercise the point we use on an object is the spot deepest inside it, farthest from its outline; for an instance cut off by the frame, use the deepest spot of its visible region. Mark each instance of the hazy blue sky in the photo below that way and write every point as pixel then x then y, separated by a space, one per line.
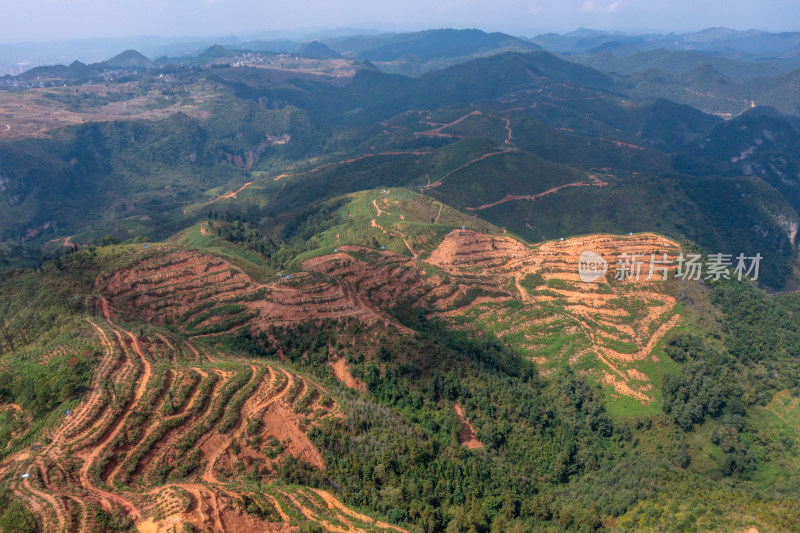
pixel 25 20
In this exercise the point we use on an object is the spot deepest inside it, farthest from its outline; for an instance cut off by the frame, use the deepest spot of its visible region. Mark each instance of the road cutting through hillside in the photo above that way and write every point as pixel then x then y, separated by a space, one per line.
pixel 437 132
pixel 347 162
pixel 467 436
pixel 414 254
pixel 439 212
pixel 342 373
pixel 462 167
pixel 233 194
pixel 593 181
pixel 331 501
pixel 311 515
pixel 508 129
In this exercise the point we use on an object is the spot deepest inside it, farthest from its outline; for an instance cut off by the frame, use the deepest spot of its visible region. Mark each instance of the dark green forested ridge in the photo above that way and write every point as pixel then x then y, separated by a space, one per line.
pixel 549 121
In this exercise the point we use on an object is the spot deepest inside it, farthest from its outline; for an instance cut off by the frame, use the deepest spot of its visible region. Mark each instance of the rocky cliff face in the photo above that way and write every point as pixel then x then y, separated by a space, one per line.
pixel 251 157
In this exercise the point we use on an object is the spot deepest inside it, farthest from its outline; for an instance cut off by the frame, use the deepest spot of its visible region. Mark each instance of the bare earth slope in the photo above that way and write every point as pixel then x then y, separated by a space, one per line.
pixel 171 430
pixel 167 435
pixel 531 296
pixel 480 280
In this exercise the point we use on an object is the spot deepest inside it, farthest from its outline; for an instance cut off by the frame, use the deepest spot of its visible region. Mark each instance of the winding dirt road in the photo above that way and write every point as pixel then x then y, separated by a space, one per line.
pixel 593 181
pixel 462 167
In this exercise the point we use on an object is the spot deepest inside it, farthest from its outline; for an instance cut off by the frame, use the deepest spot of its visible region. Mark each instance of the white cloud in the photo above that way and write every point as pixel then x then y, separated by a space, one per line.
pixel 592 7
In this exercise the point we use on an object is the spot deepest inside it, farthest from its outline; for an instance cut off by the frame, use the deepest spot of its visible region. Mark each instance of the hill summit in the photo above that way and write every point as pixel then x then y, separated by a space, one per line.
pixel 316 49
pixel 130 58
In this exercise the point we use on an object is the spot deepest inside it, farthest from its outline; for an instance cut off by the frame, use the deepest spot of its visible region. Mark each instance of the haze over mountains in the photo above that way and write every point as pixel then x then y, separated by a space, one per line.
pixel 777 48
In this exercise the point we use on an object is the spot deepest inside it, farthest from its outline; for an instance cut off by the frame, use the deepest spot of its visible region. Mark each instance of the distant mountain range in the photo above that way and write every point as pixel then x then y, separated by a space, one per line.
pixel 715 41
pixel 779 50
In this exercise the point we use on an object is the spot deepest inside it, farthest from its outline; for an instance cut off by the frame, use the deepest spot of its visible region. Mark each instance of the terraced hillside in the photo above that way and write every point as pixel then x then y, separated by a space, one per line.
pixel 206 295
pixel 172 434
pixel 530 296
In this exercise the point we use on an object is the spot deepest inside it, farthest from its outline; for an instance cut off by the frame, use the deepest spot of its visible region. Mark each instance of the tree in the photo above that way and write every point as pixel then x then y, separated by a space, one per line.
pixel 108 240
pixel 18 519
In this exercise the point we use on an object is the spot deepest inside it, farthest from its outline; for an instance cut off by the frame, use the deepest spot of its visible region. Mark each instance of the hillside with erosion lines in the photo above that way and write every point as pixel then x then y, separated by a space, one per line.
pixel 170 429
pixel 206 295
pixel 165 437
pixel 480 282
pixel 469 278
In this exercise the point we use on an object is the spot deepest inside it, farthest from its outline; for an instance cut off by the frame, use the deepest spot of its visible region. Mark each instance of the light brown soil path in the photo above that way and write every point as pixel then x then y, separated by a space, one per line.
pixel 437 132
pixel 378 209
pixel 94 396
pixel 374 222
pixel 208 474
pixel 233 194
pixel 657 336
pixel 439 213
pixel 309 513
pixel 467 436
pixel 105 309
pixel 343 374
pixel 196 353
pixel 274 501
pixel 346 162
pixel 201 493
pixel 414 254
pixel 37 507
pixel 148 371
pixel 332 501
pixel 193 398
pixel 508 129
pixel 462 167
pixel 277 392
pixel 593 181
pixel 92 456
pixel 523 294
pixel 166 342
pixel 61 519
